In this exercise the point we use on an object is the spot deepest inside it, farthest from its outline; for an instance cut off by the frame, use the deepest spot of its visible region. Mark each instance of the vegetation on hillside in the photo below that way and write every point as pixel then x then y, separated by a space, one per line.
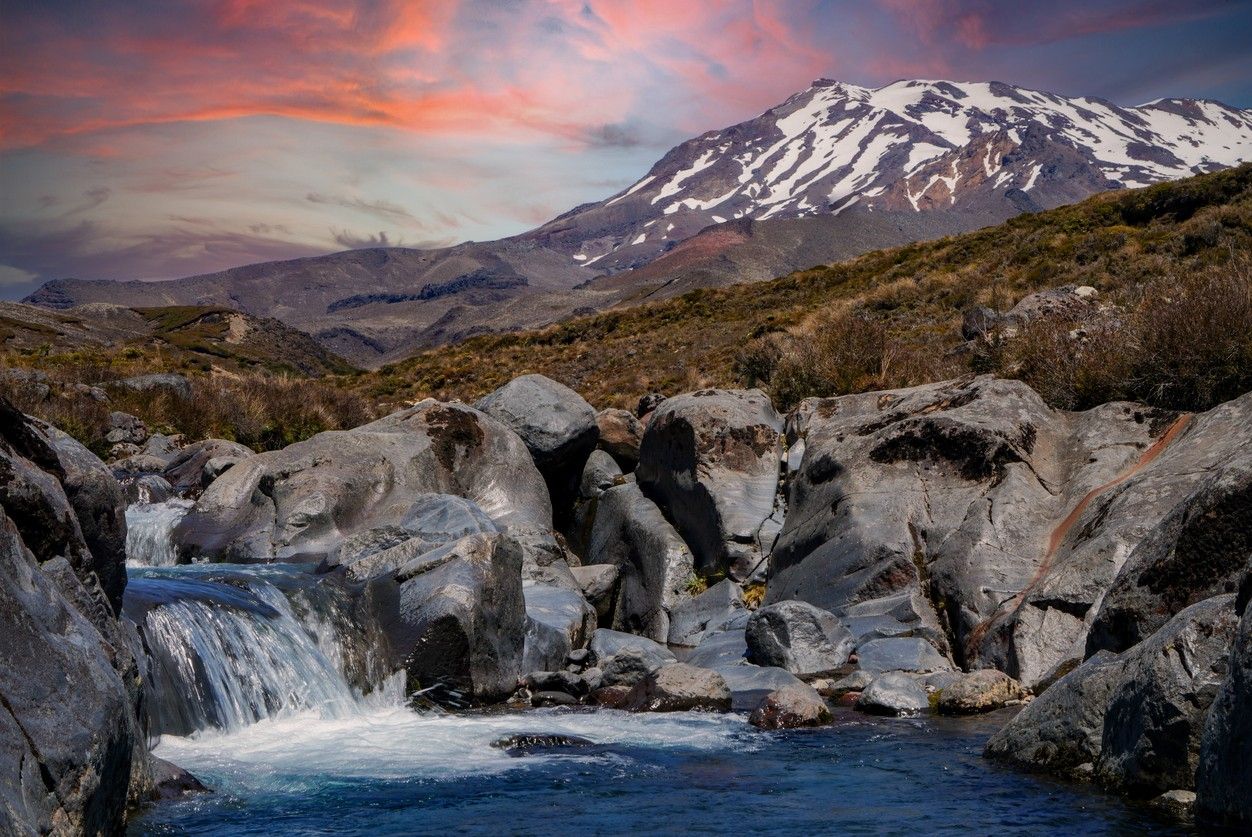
pixel 1172 263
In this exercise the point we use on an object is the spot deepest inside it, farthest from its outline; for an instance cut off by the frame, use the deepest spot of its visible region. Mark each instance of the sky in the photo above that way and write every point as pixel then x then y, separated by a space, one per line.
pixel 146 139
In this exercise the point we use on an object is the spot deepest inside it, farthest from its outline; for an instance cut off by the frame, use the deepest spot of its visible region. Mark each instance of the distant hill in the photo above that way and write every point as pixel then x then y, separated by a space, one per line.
pixel 835 171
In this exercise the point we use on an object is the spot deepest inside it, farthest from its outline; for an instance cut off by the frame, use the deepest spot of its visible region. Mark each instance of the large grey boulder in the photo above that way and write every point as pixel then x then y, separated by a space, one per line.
pixel 710 459
pixel 1156 715
pixel 894 693
pixel 728 646
pixel 678 687
pixel 654 564
pixel 455 619
pixel 1061 729
pixel 606 643
pixel 558 620
pixel 1224 772
pixel 692 619
pixel 557 426
pixel 168 382
pixel 750 684
pixel 978 691
pixel 974 494
pixel 302 502
pixel 189 468
pixel 598 583
pixel 805 640
pixel 901 654
pixel 68 734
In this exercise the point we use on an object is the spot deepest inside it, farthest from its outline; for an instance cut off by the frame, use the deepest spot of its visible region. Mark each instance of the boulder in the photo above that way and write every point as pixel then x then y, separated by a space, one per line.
pixel 599 475
pixel 647 404
pixel 750 684
pixel 558 620
pixel 978 691
pixel 302 502
pixel 791 707
pixel 126 429
pixel 557 426
pixel 626 668
pixel 455 619
pixel 653 562
pixel 1224 773
pixel 710 459
pixel 145 489
pixel 692 619
pixel 1156 715
pixel 894 693
pixel 901 654
pixel 556 681
pixel 678 687
pixel 975 494
pixel 605 644
pixel 1061 729
pixel 598 583
pixel 620 436
pixel 172 782
pixel 170 382
pixel 188 469
pixel 728 646
pixel 805 640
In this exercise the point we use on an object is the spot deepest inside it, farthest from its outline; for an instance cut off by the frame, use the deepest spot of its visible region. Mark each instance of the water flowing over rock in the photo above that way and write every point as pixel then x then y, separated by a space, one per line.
pixel 302 502
pixel 710 459
pixel 226 647
pixel 150 532
pixel 1014 517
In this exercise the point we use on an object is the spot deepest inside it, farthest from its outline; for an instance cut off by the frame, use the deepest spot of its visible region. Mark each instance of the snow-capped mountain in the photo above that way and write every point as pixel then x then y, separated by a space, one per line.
pixel 832 172
pixel 984 148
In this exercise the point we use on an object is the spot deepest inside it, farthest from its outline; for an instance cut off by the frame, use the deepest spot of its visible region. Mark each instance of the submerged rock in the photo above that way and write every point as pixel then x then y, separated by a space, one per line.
pixel 528 743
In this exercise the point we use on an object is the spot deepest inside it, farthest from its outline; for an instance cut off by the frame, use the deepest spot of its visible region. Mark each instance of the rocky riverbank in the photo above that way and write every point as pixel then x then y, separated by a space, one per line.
pixel 952 548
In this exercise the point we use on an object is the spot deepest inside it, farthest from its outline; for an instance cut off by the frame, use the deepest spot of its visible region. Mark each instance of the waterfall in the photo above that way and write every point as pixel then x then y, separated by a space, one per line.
pixel 227 646
pixel 149 531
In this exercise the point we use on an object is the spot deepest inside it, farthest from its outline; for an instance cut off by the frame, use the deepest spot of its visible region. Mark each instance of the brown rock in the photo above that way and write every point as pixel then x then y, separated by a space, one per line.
pixel 979 691
pixel 790 707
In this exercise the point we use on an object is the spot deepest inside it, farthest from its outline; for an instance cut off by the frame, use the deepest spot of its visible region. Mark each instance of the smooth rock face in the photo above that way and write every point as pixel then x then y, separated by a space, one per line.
pixel 691 620
pixel 457 621
pixel 720 648
pixel 558 620
pixel 302 502
pixel 805 640
pixel 750 684
pixel 893 693
pixel 557 426
pixel 599 585
pixel 975 494
pixel 1156 715
pixel 606 643
pixel 620 436
pixel 978 691
pixel 654 563
pixel 711 460
pixel 678 687
pixel 1063 727
pixel 791 707
pixel 1224 773
pixel 901 654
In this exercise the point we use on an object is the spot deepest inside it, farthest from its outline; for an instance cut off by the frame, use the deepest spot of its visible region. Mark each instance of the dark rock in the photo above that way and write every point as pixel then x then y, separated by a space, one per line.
pixel 599 585
pixel 610 697
pixel 711 460
pixel 654 563
pixel 456 622
pixel 1156 716
pixel 580 657
pixel 648 403
pixel 125 428
pixel 625 668
pixel 1224 773
pixel 172 782
pixel 978 691
pixel 805 640
pixel 525 744
pixel 189 469
pixel 791 707
pixel 147 488
pixel 978 321
pixel 678 687
pixel 553 699
pixel 556 681
pixel 728 646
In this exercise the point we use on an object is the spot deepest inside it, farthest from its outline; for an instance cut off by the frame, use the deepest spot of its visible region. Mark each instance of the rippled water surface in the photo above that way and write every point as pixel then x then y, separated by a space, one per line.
pixel 392 771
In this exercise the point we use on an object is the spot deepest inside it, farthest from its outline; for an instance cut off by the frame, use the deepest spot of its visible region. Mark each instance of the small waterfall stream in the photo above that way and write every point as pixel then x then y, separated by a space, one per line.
pixel 149 532
pixel 227 645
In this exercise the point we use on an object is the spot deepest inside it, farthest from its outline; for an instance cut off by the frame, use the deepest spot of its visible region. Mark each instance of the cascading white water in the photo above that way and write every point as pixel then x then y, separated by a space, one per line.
pixel 225 648
pixel 149 532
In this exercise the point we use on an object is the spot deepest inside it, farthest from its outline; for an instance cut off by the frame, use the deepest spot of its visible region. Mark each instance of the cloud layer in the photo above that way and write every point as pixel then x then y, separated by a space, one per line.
pixel 284 127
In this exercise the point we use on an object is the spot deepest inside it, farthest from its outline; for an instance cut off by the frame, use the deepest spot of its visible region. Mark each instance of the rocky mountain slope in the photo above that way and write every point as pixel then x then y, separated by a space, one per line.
pixel 195 337
pixel 834 171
